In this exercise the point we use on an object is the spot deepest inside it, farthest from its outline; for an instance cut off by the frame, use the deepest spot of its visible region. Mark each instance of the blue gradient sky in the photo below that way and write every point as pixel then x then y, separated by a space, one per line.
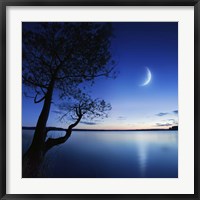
pixel 135 46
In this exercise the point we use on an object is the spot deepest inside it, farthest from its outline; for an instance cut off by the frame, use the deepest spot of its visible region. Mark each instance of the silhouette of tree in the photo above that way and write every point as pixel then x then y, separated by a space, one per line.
pixel 84 107
pixel 60 56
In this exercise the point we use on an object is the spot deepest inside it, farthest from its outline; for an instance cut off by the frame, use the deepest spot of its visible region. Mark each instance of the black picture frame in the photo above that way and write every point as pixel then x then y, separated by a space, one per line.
pixel 5 3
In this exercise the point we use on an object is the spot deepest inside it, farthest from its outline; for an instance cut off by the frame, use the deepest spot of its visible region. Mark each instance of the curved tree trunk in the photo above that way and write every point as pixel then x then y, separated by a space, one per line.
pixel 40 130
pixel 51 142
pixel 33 157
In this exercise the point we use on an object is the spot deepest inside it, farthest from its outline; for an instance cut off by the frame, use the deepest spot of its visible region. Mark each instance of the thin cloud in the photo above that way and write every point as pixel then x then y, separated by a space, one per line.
pixel 161 114
pixel 163 124
pixel 175 112
pixel 121 118
pixel 168 122
pixel 88 123
pixel 173 121
pixel 165 113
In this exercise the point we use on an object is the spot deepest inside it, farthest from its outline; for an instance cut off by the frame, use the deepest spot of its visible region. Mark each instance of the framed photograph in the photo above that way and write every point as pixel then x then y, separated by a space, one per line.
pixel 99 99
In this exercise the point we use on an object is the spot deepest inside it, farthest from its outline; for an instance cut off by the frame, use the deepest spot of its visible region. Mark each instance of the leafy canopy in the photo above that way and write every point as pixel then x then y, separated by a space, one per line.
pixel 64 55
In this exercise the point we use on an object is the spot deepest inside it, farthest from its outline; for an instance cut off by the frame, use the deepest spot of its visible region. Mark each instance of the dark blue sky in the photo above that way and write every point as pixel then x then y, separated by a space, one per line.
pixel 135 47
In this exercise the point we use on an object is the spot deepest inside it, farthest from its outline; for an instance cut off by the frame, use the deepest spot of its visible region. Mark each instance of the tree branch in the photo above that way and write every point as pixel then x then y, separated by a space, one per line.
pixel 34 83
pixel 85 76
pixel 38 101
pixel 51 142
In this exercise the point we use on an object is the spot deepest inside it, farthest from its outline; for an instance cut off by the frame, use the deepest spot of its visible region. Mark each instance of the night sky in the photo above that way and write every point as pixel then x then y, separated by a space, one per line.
pixel 136 46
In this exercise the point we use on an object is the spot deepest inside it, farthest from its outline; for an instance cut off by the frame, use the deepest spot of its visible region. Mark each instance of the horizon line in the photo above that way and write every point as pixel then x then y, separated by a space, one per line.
pixel 82 129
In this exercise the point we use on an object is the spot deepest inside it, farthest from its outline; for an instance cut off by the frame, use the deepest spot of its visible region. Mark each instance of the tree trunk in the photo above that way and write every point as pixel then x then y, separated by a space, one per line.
pixel 40 130
pixel 33 158
pixel 32 161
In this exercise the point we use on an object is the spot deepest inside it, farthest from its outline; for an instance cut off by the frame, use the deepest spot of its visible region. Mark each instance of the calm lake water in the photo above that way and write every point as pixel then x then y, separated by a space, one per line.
pixel 111 154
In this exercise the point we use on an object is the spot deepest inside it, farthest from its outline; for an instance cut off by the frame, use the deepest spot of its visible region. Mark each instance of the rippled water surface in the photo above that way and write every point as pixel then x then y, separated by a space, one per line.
pixel 112 154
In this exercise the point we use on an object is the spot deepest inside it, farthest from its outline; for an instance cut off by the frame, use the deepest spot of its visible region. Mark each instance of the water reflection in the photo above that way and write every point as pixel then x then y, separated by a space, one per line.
pixel 112 154
pixel 142 156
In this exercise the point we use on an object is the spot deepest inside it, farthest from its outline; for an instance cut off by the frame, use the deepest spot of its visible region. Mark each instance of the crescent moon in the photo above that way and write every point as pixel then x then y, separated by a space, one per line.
pixel 148 79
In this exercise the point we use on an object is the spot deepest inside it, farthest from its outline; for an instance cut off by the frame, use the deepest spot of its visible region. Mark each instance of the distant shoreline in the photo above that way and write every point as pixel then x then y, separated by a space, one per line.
pixel 173 128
